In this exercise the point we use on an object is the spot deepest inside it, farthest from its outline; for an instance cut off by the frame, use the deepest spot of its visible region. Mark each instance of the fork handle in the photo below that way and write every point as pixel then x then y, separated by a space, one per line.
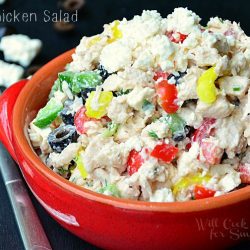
pixel 31 230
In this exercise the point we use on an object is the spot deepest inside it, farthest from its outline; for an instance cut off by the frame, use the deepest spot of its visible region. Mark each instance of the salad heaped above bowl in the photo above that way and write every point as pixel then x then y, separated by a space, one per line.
pixel 153 109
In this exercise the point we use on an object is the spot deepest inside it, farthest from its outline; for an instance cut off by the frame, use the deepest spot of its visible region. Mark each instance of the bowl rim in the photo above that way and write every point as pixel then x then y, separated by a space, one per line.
pixel 27 152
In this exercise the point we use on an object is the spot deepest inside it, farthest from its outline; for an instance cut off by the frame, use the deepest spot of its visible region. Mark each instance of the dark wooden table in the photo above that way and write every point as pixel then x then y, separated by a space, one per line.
pixel 91 20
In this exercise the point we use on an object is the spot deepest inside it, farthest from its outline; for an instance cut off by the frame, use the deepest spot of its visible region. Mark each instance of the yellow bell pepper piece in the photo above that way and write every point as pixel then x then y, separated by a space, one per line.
pixel 99 109
pixel 80 165
pixel 206 89
pixel 116 33
pixel 188 181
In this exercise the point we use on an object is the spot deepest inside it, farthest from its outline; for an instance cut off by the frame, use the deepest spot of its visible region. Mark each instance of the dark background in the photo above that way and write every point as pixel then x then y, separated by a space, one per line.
pixel 91 19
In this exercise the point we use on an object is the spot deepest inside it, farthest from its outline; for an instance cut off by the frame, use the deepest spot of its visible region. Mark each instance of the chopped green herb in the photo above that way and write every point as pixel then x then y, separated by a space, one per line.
pixel 111 189
pixel 236 89
pixel 62 171
pixel 89 183
pixel 111 129
pixel 73 179
pixel 153 134
pixel 147 106
pixel 123 92
pixel 221 20
pixel 175 123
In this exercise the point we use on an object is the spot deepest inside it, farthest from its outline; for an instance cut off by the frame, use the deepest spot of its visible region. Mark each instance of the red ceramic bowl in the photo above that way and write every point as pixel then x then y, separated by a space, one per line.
pixel 108 222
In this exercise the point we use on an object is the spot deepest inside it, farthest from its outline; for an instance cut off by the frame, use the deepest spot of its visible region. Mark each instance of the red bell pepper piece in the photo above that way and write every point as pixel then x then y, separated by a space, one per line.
pixel 211 152
pixel 176 37
pixel 168 96
pixel 80 119
pixel 160 75
pixel 244 170
pixel 204 130
pixel 165 152
pixel 135 161
pixel 201 192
